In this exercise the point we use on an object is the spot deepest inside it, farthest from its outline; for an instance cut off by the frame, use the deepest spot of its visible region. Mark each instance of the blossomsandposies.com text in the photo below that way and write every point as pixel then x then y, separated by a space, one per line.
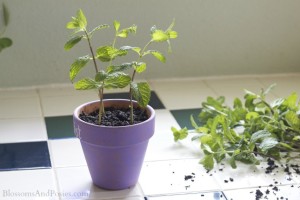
pixel 37 193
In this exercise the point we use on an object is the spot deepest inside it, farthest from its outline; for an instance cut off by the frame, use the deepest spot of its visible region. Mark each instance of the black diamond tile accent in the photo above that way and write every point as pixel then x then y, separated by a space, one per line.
pixel 25 155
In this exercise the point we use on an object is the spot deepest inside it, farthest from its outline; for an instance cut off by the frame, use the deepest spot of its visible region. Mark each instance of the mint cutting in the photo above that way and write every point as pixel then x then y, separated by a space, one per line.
pixel 247 130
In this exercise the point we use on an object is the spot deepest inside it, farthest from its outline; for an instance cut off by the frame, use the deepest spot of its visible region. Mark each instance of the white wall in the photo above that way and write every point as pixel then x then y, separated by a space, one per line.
pixel 216 37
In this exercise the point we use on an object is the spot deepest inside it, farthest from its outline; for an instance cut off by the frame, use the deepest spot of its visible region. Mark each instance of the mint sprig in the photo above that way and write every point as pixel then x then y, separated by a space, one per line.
pixel 248 129
pixel 110 75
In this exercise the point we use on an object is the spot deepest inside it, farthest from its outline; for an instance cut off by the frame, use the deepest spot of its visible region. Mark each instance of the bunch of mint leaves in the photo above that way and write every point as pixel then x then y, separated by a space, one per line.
pixel 248 130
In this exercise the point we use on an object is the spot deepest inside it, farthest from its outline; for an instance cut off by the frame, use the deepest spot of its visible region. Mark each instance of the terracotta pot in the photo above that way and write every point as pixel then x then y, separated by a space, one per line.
pixel 114 155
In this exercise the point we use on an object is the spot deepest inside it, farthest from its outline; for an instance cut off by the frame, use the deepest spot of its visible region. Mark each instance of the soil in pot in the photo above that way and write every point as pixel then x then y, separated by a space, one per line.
pixel 115 116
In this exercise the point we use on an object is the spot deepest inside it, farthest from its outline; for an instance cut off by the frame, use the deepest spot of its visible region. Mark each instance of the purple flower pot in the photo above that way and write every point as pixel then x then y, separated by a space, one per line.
pixel 114 155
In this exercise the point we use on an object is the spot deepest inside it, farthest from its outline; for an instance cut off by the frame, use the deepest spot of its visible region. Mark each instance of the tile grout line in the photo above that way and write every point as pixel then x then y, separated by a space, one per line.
pixel 49 145
pixel 221 77
pixel 210 88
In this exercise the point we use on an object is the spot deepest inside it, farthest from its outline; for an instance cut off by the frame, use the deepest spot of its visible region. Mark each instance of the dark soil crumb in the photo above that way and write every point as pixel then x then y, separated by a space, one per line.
pixel 187 177
pixel 190 177
pixel 258 195
pixel 115 116
pixel 275 189
pixel 271 166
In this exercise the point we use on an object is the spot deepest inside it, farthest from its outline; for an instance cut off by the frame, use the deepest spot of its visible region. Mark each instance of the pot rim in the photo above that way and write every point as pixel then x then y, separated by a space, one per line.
pixel 79 108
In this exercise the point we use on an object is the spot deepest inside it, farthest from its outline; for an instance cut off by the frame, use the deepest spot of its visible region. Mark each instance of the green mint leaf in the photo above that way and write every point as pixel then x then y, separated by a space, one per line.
pixel 277 103
pixel 79 22
pixel 119 68
pixel 291 101
pixel 159 36
pixel 267 91
pixel 86 84
pixel 206 148
pixel 293 120
pixel 202 129
pixel 140 67
pixel 77 66
pixel 261 134
pixel 108 53
pixel 117 80
pixel 5 42
pixel 141 92
pixel 100 27
pixel 172 34
pixel 237 103
pixel 137 49
pixel 268 143
pixel 249 101
pixel 247 158
pixel 287 146
pixel 207 139
pixel 296 138
pixel 248 92
pixel 215 109
pixel 101 76
pixel 73 25
pixel 116 25
pixel 72 42
pixel 179 134
pixel 125 32
pixel 81 19
pixel 208 162
pixel 193 123
pixel 232 162
pixel 158 55
pixel 252 116
pixel 219 156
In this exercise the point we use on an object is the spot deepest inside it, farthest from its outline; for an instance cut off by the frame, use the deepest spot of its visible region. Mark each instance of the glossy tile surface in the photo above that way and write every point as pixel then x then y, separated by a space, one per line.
pixel 39 184
pixel 82 185
pixel 39 154
pixel 66 152
pixel 176 177
pixel 22 130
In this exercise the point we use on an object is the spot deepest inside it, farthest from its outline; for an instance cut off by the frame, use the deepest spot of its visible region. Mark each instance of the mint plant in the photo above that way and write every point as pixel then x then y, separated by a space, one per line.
pixel 112 76
pixel 251 128
pixel 4 41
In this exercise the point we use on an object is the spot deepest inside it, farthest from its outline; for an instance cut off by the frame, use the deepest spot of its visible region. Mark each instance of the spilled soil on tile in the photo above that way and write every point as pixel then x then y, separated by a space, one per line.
pixel 273 168
pixel 115 116
pixel 261 192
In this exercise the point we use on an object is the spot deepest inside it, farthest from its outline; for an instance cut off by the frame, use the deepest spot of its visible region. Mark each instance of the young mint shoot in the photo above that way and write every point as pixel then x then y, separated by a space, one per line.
pixel 253 127
pixel 112 76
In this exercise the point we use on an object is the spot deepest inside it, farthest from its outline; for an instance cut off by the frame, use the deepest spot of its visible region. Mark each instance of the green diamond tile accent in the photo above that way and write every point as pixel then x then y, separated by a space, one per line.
pixel 59 127
pixel 183 117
